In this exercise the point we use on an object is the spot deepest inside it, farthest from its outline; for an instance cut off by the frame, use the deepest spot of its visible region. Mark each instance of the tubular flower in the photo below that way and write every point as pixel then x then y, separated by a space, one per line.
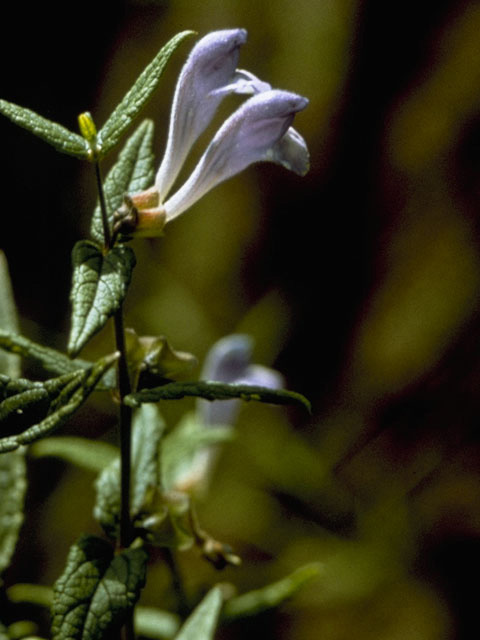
pixel 229 360
pixel 259 130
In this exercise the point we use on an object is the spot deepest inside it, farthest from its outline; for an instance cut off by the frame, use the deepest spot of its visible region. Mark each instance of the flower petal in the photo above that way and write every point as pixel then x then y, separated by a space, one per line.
pixel 249 135
pixel 210 65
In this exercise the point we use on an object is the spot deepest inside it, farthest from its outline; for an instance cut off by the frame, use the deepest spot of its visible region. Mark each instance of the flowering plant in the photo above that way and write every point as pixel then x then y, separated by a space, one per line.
pixel 146 488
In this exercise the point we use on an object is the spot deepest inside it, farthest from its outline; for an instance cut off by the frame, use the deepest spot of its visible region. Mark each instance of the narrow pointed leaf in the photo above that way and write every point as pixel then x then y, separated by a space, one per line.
pixel 137 96
pixel 272 595
pixel 217 391
pixel 96 590
pixel 91 455
pixel 77 394
pixel 13 475
pixel 52 360
pixel 148 427
pixel 55 134
pixel 9 363
pixel 201 624
pixel 133 171
pixel 100 283
pixel 12 495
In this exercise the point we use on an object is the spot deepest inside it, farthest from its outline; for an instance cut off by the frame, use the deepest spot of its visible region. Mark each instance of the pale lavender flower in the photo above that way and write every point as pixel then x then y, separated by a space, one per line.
pixel 259 130
pixel 229 361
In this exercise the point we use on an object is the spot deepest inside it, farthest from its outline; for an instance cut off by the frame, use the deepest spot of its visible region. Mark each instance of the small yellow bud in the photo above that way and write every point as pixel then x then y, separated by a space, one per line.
pixel 87 127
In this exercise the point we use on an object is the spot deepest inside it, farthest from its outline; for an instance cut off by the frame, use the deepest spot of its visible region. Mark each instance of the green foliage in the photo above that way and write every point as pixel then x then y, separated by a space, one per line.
pixel 132 172
pixel 148 427
pixel 180 446
pixel 52 360
pixel 272 595
pixel 12 494
pixel 201 624
pixel 9 364
pixel 60 397
pixel 13 480
pixel 137 96
pixel 55 134
pixel 92 455
pixel 96 590
pixel 217 391
pixel 99 286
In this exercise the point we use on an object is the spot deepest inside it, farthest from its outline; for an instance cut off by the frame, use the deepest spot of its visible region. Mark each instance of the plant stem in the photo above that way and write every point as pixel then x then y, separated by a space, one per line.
pixel 124 389
pixel 177 582
pixel 103 207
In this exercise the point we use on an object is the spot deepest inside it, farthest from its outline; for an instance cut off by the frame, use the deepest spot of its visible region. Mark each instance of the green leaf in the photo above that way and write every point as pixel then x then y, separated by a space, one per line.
pixel 55 134
pixel 100 284
pixel 9 364
pixel 217 391
pixel 3 632
pixel 52 360
pixel 92 455
pixel 181 445
pixel 133 171
pixel 254 602
pixel 137 96
pixel 148 427
pixel 75 391
pixel 13 485
pixel 96 590
pixel 201 624
pixel 155 623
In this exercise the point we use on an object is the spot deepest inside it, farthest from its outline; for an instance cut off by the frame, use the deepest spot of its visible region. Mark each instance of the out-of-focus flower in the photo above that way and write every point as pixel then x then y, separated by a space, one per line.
pixel 229 361
pixel 259 130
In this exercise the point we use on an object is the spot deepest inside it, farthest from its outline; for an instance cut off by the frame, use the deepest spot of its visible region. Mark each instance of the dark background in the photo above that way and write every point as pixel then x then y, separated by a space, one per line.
pixel 359 282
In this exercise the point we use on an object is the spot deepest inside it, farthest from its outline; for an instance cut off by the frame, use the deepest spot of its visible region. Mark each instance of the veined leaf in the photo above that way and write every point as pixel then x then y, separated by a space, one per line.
pixel 55 134
pixel 137 96
pixel 217 391
pixel 96 590
pixel 9 364
pixel 149 621
pixel 100 283
pixel 13 485
pixel 201 624
pixel 272 595
pixel 52 360
pixel 79 386
pixel 13 480
pixel 132 172
pixel 148 426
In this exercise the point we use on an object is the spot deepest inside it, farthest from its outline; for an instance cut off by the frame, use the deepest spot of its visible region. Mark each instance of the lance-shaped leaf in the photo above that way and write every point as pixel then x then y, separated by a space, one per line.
pixel 148 427
pixel 96 590
pixel 201 624
pixel 91 455
pixel 9 364
pixel 12 494
pixel 132 172
pixel 13 481
pixel 272 595
pixel 55 134
pixel 65 404
pixel 52 360
pixel 217 391
pixel 100 283
pixel 137 96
